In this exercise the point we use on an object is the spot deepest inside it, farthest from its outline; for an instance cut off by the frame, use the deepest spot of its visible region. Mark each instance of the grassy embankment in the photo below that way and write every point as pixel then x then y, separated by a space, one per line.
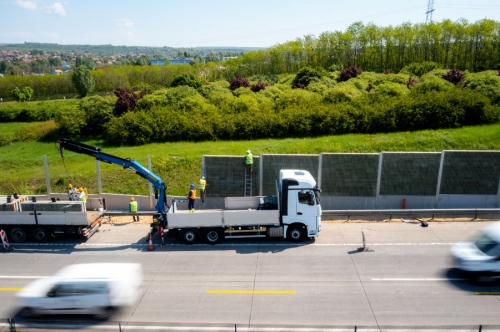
pixel 179 164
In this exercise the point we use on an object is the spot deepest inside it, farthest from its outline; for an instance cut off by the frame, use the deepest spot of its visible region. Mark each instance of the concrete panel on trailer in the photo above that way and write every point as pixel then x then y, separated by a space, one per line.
pixel 251 217
pixel 184 219
pixel 17 218
pixel 241 203
pixel 59 218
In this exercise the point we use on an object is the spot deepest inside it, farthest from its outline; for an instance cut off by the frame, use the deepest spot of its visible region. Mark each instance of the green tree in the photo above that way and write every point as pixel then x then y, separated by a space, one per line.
pixel 83 81
pixel 22 95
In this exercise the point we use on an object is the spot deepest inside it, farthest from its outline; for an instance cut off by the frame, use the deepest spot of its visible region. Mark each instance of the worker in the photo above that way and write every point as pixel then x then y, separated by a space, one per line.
pixel 191 197
pixel 81 195
pixel 71 192
pixel 133 207
pixel 249 162
pixel 201 186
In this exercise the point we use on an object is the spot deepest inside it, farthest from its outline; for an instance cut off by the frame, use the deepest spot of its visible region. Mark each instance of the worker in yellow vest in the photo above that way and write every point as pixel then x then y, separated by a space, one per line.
pixel 133 207
pixel 249 162
pixel 201 187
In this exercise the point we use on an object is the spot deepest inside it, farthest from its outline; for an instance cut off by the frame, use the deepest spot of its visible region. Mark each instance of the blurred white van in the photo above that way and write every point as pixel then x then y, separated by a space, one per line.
pixel 97 289
pixel 480 256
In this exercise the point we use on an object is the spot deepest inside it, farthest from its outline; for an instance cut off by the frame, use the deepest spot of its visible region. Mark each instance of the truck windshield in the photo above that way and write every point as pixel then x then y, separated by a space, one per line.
pixel 486 244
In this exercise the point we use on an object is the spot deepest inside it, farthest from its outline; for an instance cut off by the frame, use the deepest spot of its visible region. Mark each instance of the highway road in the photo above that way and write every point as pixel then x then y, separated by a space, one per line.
pixel 405 281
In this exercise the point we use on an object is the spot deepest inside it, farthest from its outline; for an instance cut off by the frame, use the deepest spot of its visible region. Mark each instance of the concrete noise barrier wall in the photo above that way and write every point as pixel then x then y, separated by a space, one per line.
pixel 447 179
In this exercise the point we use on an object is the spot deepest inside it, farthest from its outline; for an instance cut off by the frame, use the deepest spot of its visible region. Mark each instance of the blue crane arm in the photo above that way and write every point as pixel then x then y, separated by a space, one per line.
pixel 155 180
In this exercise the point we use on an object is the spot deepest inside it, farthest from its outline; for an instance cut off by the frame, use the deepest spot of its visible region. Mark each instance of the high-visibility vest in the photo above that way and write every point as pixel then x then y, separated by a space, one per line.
pixel 133 206
pixel 192 194
pixel 202 184
pixel 249 159
pixel 71 195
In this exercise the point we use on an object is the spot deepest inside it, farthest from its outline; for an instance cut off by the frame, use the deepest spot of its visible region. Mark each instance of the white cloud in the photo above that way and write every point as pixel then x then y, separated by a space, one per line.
pixel 26 4
pixel 124 23
pixel 56 9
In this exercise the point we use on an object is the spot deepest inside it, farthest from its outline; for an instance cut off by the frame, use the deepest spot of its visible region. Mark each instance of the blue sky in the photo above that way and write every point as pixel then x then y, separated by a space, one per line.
pixel 190 23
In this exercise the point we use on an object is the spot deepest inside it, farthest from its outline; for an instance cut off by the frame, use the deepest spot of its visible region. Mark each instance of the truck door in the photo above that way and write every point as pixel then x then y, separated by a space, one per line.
pixel 306 208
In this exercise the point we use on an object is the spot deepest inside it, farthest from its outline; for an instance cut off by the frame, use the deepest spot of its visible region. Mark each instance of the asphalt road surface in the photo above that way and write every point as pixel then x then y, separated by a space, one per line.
pixel 405 281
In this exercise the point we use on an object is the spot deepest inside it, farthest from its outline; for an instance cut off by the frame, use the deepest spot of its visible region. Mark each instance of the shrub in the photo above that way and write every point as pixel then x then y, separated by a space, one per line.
pixel 35 131
pixel 419 69
pixel 127 99
pixel 349 72
pixel 454 76
pixel 187 79
pixel 97 112
pixel 305 76
pixel 22 95
pixel 258 86
pixel 238 82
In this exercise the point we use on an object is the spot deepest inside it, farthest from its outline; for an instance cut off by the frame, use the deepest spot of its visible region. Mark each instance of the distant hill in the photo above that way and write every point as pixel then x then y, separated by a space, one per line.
pixel 112 49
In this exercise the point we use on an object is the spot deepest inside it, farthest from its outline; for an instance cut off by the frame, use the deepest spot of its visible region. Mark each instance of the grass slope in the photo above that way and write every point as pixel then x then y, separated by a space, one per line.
pixel 179 164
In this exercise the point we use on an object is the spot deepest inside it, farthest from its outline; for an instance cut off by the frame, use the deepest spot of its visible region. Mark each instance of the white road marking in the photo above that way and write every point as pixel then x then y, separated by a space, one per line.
pixel 22 277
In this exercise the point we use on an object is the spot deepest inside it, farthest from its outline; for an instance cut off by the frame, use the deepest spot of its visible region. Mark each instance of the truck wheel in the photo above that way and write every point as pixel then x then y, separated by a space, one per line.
pixel 18 235
pixel 40 234
pixel 189 236
pixel 213 236
pixel 296 233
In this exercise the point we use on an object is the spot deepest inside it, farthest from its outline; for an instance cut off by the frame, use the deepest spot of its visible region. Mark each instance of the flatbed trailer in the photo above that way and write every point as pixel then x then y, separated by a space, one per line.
pixel 23 219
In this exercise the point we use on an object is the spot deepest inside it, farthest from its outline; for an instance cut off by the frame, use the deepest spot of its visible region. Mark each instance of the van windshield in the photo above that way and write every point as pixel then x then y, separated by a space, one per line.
pixel 485 244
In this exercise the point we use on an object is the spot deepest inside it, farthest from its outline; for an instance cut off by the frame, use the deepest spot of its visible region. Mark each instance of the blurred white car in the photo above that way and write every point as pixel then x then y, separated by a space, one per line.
pixel 480 256
pixel 97 289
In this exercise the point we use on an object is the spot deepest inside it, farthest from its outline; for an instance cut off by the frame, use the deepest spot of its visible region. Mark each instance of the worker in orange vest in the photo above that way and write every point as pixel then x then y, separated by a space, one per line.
pixel 191 197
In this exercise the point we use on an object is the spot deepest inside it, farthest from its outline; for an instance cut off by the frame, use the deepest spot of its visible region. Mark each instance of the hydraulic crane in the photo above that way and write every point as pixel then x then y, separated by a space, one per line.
pixel 160 187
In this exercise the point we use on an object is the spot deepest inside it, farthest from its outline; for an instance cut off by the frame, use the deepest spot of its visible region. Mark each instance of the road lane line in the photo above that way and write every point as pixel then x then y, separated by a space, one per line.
pixel 8 289
pixel 487 293
pixel 256 292
pixel 21 277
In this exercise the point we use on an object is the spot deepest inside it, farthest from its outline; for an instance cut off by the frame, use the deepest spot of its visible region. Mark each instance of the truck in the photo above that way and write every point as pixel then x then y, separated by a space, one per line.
pixel 24 219
pixel 295 217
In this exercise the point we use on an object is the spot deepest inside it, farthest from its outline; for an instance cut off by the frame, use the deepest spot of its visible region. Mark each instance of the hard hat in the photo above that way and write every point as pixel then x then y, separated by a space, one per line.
pixel 248 151
pixel 203 177
pixel 81 189
pixel 70 185
pixel 191 186
pixel 131 198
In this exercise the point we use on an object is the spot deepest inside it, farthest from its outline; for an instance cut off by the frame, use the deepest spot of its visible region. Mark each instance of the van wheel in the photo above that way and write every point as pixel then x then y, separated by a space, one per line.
pixel 213 236
pixel 40 234
pixel 28 312
pixel 296 233
pixel 485 279
pixel 18 235
pixel 105 313
pixel 189 236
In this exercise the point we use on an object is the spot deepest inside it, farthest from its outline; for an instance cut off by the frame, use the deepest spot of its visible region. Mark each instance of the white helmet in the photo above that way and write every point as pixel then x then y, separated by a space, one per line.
pixel 203 177
pixel 248 151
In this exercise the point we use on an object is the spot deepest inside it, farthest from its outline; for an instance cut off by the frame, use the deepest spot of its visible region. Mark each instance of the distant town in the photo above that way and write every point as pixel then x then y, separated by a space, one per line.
pixel 52 59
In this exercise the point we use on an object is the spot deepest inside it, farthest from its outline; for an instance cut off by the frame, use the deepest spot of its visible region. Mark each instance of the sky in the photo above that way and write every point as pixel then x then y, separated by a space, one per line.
pixel 193 23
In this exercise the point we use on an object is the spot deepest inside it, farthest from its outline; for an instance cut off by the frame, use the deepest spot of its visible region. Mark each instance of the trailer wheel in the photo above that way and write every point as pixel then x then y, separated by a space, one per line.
pixel 40 234
pixel 18 235
pixel 189 236
pixel 296 233
pixel 213 236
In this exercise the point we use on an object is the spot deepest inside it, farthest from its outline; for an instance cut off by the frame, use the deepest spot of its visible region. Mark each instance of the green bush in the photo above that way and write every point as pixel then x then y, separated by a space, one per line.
pixel 35 131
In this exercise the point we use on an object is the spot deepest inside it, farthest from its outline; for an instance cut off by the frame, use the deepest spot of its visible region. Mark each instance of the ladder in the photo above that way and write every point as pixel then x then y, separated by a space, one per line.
pixel 248 184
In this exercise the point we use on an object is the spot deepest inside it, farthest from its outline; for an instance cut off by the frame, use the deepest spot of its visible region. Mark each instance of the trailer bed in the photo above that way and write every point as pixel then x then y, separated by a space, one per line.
pixel 223 218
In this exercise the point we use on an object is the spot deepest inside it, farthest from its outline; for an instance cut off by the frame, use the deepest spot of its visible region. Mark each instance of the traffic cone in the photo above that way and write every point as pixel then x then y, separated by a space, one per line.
pixel 151 246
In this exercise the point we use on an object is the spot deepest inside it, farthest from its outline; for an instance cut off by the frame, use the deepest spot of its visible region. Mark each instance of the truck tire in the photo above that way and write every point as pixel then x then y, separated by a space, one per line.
pixel 18 235
pixel 296 233
pixel 189 236
pixel 40 234
pixel 213 235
